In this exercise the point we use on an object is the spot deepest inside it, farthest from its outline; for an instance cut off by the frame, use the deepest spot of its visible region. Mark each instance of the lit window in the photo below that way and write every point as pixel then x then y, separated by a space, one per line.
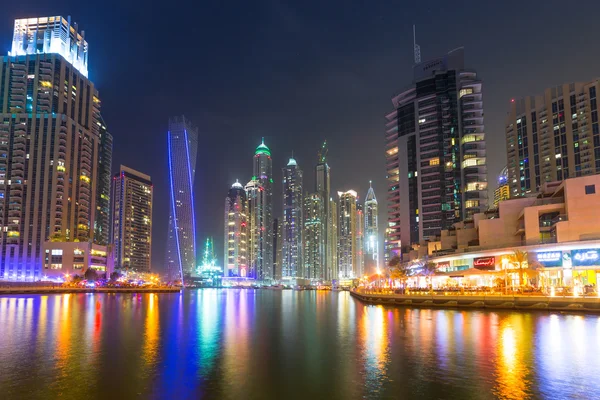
pixel 434 161
pixel 465 92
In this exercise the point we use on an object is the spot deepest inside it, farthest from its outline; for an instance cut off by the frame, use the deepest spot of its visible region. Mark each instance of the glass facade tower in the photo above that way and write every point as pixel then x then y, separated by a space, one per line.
pixel 291 263
pixel 182 146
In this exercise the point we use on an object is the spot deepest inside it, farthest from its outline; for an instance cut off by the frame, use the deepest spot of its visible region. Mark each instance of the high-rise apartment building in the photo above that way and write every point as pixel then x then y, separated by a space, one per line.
pixel 291 263
pixel 323 187
pixel 347 236
pixel 257 231
pixel 332 273
pixel 132 220
pixel 263 175
pixel 502 191
pixel 313 237
pixel 102 222
pixel 435 152
pixel 553 136
pixel 371 235
pixel 360 240
pixel 236 232
pixel 182 147
pixel 50 144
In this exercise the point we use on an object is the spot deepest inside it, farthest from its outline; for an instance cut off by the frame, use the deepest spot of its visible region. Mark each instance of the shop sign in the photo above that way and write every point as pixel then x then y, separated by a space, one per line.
pixel 485 262
pixel 550 258
pixel 443 266
pixel 585 257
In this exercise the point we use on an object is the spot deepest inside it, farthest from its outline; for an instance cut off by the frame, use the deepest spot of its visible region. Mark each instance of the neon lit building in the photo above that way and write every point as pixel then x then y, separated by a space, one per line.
pixel 132 220
pixel 50 146
pixel 435 152
pixel 263 212
pixel 236 232
pixel 51 35
pixel 291 263
pixel 182 146
pixel 371 237
pixel 349 267
pixel 314 237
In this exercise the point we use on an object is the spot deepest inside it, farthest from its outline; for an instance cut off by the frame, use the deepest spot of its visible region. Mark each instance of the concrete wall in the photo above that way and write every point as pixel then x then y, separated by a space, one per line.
pixel 583 210
pixel 501 231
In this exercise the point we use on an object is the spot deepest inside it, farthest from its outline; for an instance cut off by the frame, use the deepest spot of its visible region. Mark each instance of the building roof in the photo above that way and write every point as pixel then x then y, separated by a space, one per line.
pixel 370 195
pixel 262 149
pixel 237 185
pixel 292 162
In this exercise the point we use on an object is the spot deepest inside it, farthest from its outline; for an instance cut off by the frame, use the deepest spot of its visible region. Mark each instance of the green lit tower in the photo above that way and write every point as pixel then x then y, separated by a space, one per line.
pixel 263 176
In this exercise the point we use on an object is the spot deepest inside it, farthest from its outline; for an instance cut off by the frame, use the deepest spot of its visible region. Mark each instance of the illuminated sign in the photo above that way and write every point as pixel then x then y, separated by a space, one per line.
pixel 586 257
pixel 550 258
pixel 443 265
pixel 484 262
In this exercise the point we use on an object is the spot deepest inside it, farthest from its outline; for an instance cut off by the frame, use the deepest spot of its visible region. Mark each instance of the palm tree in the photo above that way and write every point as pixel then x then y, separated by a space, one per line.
pixel 401 273
pixel 519 258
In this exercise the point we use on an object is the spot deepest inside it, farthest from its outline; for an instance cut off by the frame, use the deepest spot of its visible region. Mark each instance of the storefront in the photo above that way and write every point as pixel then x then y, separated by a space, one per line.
pixel 576 269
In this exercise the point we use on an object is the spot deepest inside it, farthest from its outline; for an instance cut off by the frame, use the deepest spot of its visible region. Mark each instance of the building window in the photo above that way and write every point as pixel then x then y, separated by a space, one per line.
pixel 590 189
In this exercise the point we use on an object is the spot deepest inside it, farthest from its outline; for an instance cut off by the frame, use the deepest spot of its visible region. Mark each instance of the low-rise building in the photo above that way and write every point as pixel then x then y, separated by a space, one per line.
pixel 559 230
pixel 63 260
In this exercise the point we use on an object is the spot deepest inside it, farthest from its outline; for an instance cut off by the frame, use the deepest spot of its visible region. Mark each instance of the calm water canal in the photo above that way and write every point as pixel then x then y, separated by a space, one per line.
pixel 246 344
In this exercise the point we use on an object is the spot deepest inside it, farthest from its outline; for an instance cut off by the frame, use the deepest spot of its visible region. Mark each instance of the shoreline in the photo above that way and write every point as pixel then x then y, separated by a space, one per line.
pixel 64 290
pixel 483 302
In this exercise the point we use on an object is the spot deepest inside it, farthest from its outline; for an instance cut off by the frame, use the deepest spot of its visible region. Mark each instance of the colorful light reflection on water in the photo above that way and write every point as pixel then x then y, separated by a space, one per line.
pixel 234 344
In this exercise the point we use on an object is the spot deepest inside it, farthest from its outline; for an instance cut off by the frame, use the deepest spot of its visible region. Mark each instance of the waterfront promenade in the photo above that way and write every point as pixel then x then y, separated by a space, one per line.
pixel 482 301
pixel 65 289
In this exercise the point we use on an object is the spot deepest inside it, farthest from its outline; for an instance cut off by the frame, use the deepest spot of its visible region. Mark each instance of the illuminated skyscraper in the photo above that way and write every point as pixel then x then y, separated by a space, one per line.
pixel 323 187
pixel 263 175
pixel 360 240
pixel 349 267
pixel 236 232
pixel 435 152
pixel 102 222
pixel 256 229
pixel 50 146
pixel 277 248
pixel 182 147
pixel 371 232
pixel 132 220
pixel 313 237
pixel 291 263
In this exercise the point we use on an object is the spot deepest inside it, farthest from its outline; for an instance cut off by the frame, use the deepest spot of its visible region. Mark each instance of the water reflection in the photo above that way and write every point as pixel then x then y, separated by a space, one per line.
pixel 233 344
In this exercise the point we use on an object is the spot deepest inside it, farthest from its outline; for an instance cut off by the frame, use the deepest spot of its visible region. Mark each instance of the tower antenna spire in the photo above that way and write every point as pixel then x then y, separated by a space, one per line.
pixel 416 47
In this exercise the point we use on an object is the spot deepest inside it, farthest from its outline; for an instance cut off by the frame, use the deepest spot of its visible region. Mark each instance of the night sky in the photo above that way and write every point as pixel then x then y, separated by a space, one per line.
pixel 298 73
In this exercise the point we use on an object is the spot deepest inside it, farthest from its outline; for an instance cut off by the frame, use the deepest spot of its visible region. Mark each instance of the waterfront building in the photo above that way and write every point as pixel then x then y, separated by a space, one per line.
pixel 291 263
pixel 371 233
pixel 51 146
pixel 236 238
pixel 347 235
pixel 257 231
pixel 132 220
pixel 314 232
pixel 263 212
pixel 63 260
pixel 182 148
pixel 558 228
pixel 553 136
pixel 332 272
pixel 435 152
pixel 277 248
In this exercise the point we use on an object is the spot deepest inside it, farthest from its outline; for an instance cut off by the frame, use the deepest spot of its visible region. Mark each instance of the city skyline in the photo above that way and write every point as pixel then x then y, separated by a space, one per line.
pixel 359 79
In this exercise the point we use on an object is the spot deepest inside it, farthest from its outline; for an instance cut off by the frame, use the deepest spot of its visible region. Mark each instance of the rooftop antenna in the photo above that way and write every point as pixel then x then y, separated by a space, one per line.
pixel 416 47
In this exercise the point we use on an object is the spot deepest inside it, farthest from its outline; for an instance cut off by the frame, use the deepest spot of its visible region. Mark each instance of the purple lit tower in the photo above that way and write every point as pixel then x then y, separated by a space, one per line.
pixel 182 141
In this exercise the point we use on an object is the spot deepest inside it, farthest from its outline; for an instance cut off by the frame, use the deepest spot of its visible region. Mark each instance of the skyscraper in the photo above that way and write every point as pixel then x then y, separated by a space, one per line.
pixel 263 174
pixel 50 144
pixel 347 235
pixel 277 248
pixel 371 232
pixel 291 263
pixel 323 187
pixel 182 146
pixel 553 136
pixel 359 251
pixel 102 222
pixel 132 220
pixel 332 273
pixel 502 191
pixel 435 151
pixel 236 232
pixel 313 237
pixel 257 231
